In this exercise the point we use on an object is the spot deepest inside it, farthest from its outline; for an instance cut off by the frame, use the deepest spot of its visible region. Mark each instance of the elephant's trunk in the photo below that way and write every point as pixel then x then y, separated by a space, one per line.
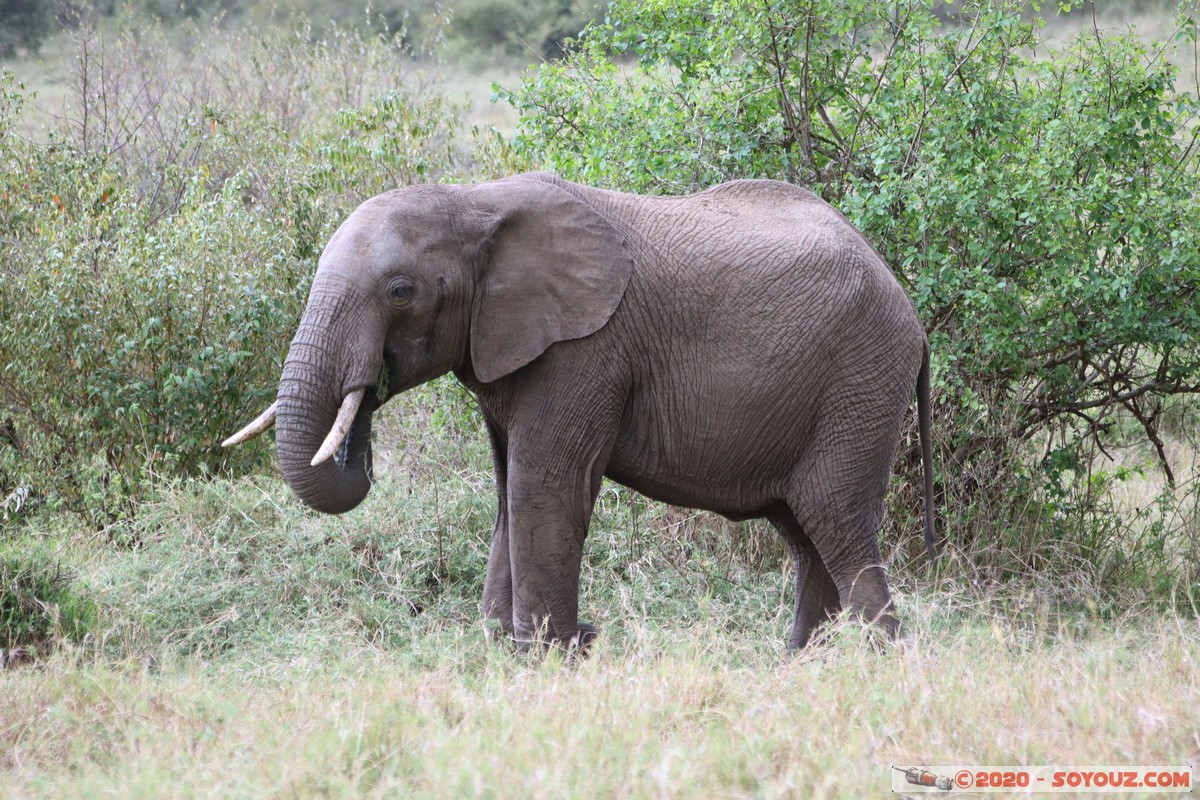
pixel 319 378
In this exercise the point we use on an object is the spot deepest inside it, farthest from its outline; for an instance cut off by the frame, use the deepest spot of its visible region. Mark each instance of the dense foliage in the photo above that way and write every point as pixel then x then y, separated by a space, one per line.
pixel 159 242
pixel 1038 203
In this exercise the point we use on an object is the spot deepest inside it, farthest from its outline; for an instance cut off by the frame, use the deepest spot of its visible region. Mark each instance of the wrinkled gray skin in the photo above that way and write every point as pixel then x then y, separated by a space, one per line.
pixel 743 350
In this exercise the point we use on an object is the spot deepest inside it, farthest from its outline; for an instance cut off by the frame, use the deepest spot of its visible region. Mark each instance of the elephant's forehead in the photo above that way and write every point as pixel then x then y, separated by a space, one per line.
pixel 366 239
pixel 392 230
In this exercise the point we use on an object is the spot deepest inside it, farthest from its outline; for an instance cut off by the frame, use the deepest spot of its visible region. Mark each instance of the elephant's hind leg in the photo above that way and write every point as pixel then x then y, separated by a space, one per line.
pixel 497 582
pixel 845 544
pixel 817 599
pixel 839 504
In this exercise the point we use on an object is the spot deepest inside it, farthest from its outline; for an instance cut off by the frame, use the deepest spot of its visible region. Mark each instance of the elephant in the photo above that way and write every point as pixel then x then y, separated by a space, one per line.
pixel 743 350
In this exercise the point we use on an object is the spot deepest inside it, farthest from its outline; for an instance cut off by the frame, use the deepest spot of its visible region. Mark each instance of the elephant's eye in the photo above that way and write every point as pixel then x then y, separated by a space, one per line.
pixel 400 291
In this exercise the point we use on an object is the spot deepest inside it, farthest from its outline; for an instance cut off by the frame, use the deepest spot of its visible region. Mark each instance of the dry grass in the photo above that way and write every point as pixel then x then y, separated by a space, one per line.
pixel 52 76
pixel 713 715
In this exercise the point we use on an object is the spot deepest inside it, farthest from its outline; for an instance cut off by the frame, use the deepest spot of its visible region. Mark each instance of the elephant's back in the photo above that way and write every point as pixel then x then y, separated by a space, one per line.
pixel 751 307
pixel 755 275
pixel 771 248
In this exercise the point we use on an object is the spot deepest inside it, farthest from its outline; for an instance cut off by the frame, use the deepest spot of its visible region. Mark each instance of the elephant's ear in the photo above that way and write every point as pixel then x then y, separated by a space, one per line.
pixel 553 269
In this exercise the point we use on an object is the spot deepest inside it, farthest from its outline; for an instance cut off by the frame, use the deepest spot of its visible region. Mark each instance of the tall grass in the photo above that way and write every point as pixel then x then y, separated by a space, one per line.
pixel 707 713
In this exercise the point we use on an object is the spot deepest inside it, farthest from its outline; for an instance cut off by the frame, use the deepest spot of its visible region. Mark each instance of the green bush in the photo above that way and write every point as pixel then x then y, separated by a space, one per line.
pixel 1037 203
pixel 160 241
pixel 132 346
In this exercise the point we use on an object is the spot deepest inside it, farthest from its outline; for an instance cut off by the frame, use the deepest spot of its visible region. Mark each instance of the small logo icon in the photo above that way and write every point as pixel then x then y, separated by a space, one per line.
pixel 923 777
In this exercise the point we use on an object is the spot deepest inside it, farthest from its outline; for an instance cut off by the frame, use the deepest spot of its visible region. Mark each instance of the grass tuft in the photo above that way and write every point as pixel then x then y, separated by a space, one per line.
pixel 41 605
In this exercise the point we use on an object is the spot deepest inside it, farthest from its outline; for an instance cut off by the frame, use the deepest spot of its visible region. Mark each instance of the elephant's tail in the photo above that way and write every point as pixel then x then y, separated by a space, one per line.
pixel 925 433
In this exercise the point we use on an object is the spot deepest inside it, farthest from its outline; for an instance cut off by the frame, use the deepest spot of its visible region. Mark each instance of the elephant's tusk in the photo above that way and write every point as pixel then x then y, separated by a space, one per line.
pixel 341 426
pixel 261 423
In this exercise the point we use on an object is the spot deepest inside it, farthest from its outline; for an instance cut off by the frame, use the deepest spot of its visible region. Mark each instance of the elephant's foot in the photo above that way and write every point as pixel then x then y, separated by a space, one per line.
pixel 880 632
pixel 575 645
pixel 578 644
pixel 817 605
pixel 886 631
pixel 813 636
pixel 581 642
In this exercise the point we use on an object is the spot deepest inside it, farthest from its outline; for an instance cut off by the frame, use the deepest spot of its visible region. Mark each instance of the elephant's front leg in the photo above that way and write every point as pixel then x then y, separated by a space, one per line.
pixel 557 457
pixel 547 525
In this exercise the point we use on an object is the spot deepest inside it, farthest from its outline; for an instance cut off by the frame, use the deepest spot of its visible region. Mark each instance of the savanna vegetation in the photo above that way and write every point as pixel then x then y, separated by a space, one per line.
pixel 174 623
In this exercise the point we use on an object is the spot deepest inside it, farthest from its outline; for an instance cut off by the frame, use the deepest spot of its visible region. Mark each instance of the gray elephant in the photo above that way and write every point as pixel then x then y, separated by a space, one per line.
pixel 742 350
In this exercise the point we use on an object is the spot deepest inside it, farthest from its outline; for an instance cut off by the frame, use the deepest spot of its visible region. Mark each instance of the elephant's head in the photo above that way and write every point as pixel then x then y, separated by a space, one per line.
pixel 421 281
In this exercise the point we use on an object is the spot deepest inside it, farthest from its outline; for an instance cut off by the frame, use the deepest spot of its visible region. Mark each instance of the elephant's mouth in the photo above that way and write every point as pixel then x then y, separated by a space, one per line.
pixel 339 455
pixel 357 442
pixel 350 435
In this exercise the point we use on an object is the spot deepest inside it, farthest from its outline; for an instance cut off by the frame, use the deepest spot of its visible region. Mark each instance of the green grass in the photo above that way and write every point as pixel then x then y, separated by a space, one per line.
pixel 39 606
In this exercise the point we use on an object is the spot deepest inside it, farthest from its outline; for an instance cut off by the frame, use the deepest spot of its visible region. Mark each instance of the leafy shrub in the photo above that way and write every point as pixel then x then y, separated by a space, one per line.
pixel 1038 204
pixel 160 241
pixel 132 346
